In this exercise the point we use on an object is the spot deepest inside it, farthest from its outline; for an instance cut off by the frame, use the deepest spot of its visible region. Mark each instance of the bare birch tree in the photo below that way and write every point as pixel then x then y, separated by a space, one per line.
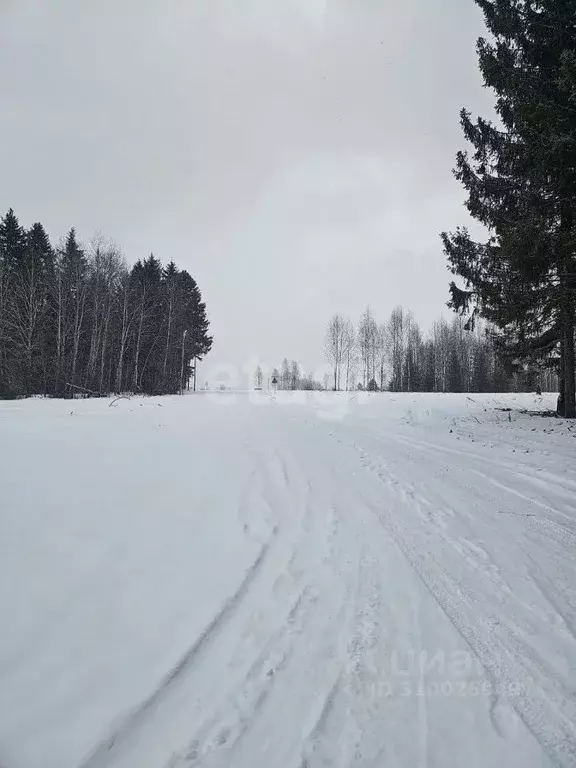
pixel 335 346
pixel 368 345
pixel 350 361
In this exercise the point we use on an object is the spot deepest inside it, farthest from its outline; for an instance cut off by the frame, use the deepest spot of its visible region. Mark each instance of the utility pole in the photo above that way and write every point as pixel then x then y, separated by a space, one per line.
pixel 182 363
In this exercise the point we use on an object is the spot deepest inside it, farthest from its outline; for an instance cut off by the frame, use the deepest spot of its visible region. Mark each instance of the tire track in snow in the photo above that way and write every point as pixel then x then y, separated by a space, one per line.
pixel 496 466
pixel 471 549
pixel 483 638
pixel 136 718
pixel 318 728
pixel 225 730
pixel 547 592
pixel 570 532
pixel 252 611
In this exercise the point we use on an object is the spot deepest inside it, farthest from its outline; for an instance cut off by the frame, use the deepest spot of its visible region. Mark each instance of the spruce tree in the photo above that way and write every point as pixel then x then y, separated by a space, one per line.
pixel 521 183
pixel 172 301
pixel 481 370
pixel 32 306
pixel 455 378
pixel 18 309
pixel 72 295
pixel 147 351
pixel 285 374
pixel 12 242
pixel 196 319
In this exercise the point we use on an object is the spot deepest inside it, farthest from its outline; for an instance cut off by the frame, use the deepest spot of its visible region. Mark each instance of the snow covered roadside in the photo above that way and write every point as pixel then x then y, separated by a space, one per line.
pixel 121 540
pixel 221 580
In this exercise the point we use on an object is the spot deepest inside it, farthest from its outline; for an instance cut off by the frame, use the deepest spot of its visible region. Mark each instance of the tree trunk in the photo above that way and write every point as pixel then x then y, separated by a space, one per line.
pixel 95 338
pixel 3 305
pixel 60 335
pixel 123 340
pixel 569 373
pixel 560 407
pixel 167 347
pixel 104 346
pixel 567 299
pixel 78 315
pixel 137 353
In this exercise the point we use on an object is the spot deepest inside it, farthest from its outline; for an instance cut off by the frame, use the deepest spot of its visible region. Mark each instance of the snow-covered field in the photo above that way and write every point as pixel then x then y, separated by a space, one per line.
pixel 240 581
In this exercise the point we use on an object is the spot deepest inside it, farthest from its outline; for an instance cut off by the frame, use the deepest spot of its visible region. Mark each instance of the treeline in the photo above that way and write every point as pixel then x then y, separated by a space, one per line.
pixel 397 356
pixel 289 377
pixel 75 320
pixel 520 177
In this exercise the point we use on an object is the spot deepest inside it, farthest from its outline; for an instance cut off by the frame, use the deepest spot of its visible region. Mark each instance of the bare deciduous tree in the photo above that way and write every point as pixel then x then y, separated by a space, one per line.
pixel 350 355
pixel 368 345
pixel 335 345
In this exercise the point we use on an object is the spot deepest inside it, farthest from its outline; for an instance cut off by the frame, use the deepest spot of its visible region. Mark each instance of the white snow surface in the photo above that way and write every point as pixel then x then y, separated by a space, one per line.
pixel 291 581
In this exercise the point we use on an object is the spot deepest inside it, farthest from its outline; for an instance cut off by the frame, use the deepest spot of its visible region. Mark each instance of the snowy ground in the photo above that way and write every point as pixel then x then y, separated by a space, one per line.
pixel 236 581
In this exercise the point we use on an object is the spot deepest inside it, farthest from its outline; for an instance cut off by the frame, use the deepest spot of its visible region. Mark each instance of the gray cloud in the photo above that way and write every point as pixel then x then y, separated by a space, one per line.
pixel 294 155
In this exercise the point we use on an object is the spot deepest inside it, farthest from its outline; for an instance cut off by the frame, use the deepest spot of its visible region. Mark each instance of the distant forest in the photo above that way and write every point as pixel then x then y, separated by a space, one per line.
pixel 398 356
pixel 78 320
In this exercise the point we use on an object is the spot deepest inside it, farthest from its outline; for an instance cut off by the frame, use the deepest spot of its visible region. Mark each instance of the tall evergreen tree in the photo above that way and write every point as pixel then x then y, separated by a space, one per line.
pixel 295 375
pixel 146 278
pixel 196 319
pixel 12 249
pixel 12 242
pixel 172 300
pixel 71 310
pixel 521 183
pixel 455 378
pixel 285 374
pixel 481 374
pixel 31 308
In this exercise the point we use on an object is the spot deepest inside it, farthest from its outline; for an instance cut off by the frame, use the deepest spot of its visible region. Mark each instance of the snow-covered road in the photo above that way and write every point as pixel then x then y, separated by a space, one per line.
pixel 241 581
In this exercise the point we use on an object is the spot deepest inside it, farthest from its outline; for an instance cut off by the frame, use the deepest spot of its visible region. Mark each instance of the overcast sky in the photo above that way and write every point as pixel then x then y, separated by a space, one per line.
pixel 294 155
